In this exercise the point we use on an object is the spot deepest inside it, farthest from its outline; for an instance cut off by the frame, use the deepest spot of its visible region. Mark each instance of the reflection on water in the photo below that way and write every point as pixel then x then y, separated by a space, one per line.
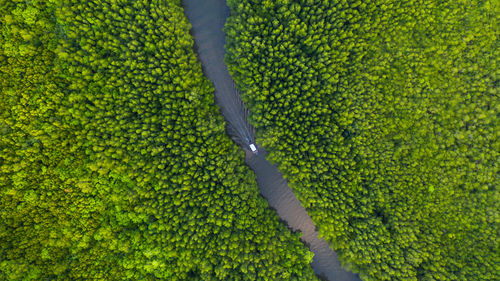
pixel 207 18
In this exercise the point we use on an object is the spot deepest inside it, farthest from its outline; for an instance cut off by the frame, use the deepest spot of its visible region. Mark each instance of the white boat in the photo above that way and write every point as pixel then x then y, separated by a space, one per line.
pixel 253 148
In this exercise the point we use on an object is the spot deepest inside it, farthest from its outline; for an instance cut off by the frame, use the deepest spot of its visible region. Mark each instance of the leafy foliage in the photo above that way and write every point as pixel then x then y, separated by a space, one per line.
pixel 383 115
pixel 114 163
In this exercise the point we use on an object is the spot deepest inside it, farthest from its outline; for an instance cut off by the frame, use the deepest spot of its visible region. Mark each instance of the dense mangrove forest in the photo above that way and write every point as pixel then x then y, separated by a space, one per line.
pixel 114 162
pixel 125 129
pixel 384 118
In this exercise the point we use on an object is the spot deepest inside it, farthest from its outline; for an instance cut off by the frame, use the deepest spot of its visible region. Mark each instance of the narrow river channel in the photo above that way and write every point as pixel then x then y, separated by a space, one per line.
pixel 207 18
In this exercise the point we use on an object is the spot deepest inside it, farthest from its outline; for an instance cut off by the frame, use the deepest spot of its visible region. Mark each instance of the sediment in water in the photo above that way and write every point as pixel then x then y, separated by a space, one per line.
pixel 207 18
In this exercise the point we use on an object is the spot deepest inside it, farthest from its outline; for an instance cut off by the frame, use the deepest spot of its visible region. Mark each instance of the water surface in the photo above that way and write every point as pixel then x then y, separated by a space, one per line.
pixel 207 18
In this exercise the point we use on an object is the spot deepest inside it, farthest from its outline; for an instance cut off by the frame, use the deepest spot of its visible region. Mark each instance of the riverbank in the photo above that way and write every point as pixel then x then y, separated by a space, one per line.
pixel 207 18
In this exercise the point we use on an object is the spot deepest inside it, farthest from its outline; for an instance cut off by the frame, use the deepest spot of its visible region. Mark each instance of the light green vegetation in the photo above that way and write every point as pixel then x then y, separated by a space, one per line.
pixel 114 163
pixel 384 117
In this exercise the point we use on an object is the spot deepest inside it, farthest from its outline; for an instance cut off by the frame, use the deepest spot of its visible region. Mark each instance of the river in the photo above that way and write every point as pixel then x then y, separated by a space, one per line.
pixel 207 18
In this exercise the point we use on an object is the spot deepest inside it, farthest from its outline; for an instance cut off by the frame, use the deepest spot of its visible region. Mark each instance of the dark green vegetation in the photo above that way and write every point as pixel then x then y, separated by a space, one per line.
pixel 114 163
pixel 384 117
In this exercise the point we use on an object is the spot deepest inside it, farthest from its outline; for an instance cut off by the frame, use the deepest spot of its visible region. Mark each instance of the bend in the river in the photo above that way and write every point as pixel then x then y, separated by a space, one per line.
pixel 207 18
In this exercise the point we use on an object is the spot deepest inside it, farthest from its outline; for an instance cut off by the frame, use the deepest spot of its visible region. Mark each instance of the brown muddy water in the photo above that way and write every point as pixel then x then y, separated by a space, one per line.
pixel 207 18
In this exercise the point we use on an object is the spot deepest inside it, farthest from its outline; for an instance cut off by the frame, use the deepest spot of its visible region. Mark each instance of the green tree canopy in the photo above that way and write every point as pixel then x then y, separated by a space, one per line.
pixel 383 116
pixel 114 163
